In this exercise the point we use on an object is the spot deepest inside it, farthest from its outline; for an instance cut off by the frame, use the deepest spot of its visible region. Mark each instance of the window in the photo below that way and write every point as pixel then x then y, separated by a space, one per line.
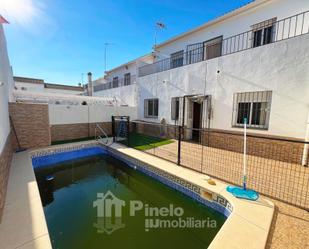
pixel 254 107
pixel 212 48
pixel 151 108
pixel 194 53
pixel 175 108
pixel 115 82
pixel 263 32
pixel 177 59
pixel 127 79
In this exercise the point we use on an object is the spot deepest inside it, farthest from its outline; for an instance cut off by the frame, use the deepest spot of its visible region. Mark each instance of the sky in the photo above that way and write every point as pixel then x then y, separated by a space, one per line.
pixel 60 41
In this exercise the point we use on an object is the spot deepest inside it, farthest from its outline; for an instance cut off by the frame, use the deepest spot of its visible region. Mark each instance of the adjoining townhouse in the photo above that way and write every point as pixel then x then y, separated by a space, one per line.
pixel 38 85
pixel 249 63
pixel 120 82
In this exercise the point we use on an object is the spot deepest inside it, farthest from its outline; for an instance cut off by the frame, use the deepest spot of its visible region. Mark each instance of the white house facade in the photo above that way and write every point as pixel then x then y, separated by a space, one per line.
pixel 250 63
pixel 120 82
pixel 39 86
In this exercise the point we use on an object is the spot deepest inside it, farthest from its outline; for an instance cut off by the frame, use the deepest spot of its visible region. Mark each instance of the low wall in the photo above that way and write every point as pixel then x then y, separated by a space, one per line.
pixel 5 163
pixel 62 132
pixel 270 147
pixel 70 122
pixel 164 131
pixel 81 114
pixel 266 147
pixel 31 123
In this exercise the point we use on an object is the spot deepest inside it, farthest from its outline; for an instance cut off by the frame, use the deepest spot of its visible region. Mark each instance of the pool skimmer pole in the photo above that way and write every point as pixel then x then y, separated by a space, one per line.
pixel 243 192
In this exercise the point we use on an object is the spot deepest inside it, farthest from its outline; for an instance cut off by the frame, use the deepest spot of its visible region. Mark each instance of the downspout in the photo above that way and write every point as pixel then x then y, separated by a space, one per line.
pixel 306 146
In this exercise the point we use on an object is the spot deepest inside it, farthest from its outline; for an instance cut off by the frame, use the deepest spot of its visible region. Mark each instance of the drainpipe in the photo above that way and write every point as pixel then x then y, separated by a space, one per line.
pixel 89 84
pixel 306 146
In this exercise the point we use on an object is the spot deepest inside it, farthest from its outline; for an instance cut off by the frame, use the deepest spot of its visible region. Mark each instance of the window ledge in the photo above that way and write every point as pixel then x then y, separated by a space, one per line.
pixel 250 127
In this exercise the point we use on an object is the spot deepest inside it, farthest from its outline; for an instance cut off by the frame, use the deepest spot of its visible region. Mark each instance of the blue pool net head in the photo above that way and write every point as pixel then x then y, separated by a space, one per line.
pixel 242 193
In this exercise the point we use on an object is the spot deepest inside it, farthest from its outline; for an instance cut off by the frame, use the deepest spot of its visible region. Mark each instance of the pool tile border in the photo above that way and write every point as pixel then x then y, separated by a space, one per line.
pixel 218 202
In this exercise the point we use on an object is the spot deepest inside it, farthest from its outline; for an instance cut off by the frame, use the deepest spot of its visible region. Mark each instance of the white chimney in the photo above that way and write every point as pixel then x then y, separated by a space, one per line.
pixel 89 84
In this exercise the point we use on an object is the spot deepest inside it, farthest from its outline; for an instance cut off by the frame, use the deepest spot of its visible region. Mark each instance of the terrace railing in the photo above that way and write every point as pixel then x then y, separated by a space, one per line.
pixel 116 83
pixel 267 32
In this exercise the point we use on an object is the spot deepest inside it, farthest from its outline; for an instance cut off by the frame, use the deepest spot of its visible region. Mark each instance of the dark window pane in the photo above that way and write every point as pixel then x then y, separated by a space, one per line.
pixel 177 59
pixel 156 107
pixel 115 82
pixel 259 113
pixel 257 39
pixel 127 79
pixel 268 35
pixel 175 108
pixel 150 107
pixel 256 113
pixel 243 112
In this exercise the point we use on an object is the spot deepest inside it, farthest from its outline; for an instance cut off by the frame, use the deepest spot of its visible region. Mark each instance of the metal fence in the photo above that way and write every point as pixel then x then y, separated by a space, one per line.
pixel 126 81
pixel 277 168
pixel 263 33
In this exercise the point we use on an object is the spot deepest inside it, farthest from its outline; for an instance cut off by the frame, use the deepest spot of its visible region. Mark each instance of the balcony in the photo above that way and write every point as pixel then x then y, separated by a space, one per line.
pixel 116 82
pixel 261 34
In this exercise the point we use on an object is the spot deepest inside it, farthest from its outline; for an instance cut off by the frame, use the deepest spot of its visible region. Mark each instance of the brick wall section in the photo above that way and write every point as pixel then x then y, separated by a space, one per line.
pixel 31 122
pixel 272 148
pixel 5 163
pixel 76 131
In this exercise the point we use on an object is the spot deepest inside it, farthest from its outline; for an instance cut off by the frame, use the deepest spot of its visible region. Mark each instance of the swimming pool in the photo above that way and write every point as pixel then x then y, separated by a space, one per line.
pixel 164 213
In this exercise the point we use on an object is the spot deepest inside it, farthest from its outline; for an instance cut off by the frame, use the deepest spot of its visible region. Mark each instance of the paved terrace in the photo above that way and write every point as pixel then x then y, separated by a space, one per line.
pixel 290 227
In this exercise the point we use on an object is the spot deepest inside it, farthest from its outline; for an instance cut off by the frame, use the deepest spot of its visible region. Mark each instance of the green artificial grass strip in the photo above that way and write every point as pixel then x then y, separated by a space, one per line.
pixel 137 141
pixel 72 140
pixel 143 142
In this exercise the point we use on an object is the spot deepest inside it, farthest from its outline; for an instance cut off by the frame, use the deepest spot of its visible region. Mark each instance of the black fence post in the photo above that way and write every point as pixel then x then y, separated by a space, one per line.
pixel 113 128
pixel 128 131
pixel 180 130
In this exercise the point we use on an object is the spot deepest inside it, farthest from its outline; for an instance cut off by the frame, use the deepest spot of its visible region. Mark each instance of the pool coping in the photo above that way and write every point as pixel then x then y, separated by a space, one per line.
pixel 23 223
pixel 248 222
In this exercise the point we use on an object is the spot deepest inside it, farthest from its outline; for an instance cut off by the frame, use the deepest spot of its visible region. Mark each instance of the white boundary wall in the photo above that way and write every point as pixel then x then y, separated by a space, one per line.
pixel 6 77
pixel 77 114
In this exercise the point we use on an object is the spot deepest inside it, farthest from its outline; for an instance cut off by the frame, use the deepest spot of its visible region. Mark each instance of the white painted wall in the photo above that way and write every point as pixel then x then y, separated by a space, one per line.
pixel 281 67
pixel 6 76
pixel 128 68
pixel 121 71
pixel 68 114
pixel 32 87
pixel 62 91
pixel 126 94
pixel 238 24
